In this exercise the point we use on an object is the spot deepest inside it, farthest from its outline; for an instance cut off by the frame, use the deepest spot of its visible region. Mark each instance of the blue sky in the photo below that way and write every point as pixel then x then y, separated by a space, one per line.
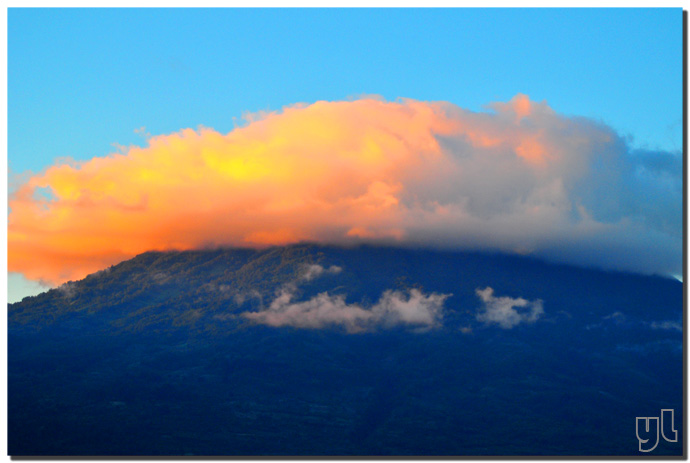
pixel 82 80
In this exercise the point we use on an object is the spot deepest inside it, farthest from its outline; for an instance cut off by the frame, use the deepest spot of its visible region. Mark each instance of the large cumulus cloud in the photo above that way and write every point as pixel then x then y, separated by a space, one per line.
pixel 518 177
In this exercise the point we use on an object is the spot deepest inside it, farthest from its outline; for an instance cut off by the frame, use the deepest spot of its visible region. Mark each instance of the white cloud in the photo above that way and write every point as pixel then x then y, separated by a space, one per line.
pixel 504 312
pixel 312 271
pixel 666 325
pixel 617 317
pixel 394 308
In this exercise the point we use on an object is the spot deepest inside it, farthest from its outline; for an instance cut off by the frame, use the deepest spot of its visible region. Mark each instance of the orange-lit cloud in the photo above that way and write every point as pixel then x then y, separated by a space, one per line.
pixel 519 177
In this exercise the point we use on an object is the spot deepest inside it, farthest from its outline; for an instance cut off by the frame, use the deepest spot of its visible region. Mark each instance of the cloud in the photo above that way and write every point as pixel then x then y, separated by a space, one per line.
pixel 312 271
pixel 666 325
pixel 394 308
pixel 622 320
pixel 519 178
pixel 241 297
pixel 68 290
pixel 617 317
pixel 507 312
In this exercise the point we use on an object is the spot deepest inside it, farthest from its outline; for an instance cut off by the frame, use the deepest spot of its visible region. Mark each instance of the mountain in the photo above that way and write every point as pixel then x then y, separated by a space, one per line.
pixel 318 350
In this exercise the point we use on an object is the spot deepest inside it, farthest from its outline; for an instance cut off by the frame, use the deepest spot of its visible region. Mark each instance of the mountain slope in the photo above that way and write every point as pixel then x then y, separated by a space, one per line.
pixel 314 350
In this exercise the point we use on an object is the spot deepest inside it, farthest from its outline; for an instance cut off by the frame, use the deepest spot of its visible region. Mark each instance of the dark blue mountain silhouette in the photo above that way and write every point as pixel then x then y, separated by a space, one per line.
pixel 156 356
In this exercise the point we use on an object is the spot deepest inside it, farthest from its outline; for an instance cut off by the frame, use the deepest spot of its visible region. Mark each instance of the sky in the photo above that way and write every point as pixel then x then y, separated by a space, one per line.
pixel 83 84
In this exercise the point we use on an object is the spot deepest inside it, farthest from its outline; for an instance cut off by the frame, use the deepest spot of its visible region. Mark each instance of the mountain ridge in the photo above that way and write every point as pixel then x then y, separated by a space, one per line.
pixel 155 278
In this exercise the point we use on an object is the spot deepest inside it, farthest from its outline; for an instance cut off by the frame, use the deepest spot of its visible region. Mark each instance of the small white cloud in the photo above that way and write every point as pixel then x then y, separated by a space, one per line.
pixel 395 308
pixel 617 317
pixel 504 312
pixel 666 325
pixel 315 270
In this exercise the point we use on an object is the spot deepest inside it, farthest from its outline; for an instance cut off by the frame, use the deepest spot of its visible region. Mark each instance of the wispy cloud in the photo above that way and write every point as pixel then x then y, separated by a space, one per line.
pixel 616 317
pixel 622 320
pixel 507 312
pixel 312 271
pixel 68 290
pixel 519 177
pixel 666 325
